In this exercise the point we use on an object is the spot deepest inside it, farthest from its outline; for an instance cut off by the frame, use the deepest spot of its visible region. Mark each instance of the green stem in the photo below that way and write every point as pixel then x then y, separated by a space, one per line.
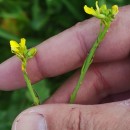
pixel 88 62
pixel 32 92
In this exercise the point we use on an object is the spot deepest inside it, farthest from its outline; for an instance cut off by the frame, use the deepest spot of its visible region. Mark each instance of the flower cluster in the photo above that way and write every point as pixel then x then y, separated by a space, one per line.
pixel 106 15
pixel 24 54
pixel 21 51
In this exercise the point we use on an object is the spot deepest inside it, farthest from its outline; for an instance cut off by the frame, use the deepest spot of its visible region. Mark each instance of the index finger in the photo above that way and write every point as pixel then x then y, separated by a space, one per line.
pixel 67 51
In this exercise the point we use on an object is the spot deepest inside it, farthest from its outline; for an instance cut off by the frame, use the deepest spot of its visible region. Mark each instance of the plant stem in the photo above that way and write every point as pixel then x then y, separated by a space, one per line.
pixel 32 92
pixel 88 61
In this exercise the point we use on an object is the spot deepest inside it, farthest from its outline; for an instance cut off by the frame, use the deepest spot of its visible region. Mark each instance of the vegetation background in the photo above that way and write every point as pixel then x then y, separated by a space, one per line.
pixel 36 20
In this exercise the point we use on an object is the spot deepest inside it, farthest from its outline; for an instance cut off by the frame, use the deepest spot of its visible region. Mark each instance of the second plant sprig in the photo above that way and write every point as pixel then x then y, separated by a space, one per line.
pixel 24 55
pixel 106 16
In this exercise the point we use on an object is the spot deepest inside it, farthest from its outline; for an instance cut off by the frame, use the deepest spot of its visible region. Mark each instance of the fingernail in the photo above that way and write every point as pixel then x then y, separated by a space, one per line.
pixel 30 121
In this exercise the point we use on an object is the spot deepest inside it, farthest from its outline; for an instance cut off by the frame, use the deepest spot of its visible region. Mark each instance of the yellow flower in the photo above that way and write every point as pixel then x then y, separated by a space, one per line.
pixel 22 43
pixel 21 50
pixel 103 13
pixel 90 10
pixel 18 49
pixel 14 46
pixel 97 12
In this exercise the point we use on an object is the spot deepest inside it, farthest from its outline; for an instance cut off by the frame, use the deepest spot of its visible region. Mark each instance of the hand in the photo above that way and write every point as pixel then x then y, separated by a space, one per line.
pixel 106 83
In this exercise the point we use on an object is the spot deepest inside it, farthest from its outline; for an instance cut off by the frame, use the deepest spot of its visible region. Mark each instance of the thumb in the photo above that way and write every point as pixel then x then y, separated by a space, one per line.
pixel 112 116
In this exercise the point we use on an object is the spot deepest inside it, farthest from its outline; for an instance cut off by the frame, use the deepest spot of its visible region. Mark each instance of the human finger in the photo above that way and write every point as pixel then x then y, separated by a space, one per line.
pixel 112 116
pixel 67 51
pixel 101 81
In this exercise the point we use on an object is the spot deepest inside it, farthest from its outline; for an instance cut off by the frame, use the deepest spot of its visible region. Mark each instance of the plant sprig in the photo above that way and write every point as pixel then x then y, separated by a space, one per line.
pixel 106 17
pixel 24 55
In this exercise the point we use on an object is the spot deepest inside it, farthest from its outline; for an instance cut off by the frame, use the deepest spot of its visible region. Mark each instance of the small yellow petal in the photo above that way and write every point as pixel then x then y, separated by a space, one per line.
pixel 89 10
pixel 15 50
pixel 115 9
pixel 14 46
pixel 22 43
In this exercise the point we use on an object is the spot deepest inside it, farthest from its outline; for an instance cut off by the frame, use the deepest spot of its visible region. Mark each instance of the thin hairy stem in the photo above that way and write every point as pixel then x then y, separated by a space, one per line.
pixel 30 88
pixel 88 61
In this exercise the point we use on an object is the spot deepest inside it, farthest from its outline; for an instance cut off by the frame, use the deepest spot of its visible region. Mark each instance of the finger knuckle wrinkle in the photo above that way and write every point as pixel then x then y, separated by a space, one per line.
pixel 73 120
pixel 101 86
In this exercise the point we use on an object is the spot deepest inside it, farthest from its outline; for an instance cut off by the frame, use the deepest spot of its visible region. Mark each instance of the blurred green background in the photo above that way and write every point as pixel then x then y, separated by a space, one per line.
pixel 36 20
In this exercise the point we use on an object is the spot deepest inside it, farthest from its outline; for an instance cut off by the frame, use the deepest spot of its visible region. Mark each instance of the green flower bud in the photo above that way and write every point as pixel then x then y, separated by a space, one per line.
pixel 31 53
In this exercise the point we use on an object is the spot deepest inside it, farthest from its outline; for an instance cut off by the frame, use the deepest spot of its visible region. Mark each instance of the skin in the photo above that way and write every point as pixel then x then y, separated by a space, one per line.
pixel 103 101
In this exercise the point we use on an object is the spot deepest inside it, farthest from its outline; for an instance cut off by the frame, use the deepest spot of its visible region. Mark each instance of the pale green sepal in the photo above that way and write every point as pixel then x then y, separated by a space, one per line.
pixel 31 53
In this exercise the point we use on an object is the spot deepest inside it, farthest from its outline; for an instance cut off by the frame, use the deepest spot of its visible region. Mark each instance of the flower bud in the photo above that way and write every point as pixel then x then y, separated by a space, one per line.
pixel 31 52
pixel 114 9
